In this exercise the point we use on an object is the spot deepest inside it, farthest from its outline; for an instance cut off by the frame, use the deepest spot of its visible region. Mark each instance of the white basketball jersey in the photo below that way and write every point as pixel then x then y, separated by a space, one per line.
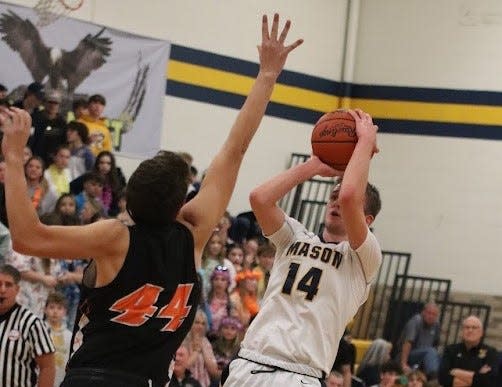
pixel 314 290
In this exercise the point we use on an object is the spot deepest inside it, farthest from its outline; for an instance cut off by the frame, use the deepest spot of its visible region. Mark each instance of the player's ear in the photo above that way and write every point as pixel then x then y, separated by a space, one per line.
pixel 369 219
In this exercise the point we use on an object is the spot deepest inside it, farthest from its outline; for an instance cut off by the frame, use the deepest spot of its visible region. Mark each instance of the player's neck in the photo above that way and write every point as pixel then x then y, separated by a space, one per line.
pixel 333 237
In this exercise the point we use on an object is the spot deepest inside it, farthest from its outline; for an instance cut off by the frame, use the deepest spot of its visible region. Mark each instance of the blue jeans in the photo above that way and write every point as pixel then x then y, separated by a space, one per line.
pixel 427 358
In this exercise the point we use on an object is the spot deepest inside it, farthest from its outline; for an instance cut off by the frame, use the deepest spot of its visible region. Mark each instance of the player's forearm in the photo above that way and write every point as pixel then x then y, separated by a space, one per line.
pixel 23 219
pixel 356 174
pixel 249 118
pixel 275 188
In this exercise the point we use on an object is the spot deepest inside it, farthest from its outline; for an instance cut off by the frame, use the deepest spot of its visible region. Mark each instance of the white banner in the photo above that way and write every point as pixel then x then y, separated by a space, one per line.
pixel 81 59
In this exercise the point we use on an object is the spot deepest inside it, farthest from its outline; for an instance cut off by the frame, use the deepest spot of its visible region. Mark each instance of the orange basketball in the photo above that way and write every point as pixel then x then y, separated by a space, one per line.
pixel 334 139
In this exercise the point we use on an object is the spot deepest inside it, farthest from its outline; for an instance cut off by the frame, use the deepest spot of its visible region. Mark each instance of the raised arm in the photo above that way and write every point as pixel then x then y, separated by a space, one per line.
pixel 355 179
pixel 264 198
pixel 204 211
pixel 29 236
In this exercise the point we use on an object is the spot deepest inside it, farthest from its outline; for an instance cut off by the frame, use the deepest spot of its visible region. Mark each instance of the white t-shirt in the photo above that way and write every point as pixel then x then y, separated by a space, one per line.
pixel 314 290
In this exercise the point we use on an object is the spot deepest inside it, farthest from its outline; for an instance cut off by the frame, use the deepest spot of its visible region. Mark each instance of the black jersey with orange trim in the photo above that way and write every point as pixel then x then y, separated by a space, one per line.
pixel 136 323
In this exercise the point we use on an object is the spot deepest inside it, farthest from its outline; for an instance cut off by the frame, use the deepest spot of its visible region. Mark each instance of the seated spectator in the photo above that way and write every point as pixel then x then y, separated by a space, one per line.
pixel 66 209
pixel 3 92
pixel 390 374
pixel 49 128
pixel 92 212
pixel 27 154
pixel 334 379
pixel 32 99
pixel 470 362
pixel 201 361
pixel 235 254
pixel 181 374
pixel 417 378
pixel 55 316
pixel 113 181
pixel 345 358
pixel 212 256
pixel 265 256
pixel 218 300
pixel 376 355
pixel 93 187
pixel 123 214
pixel 99 133
pixel 82 159
pixel 227 344
pixel 58 174
pixel 244 297
pixel 419 340
pixel 79 108
pixel 42 196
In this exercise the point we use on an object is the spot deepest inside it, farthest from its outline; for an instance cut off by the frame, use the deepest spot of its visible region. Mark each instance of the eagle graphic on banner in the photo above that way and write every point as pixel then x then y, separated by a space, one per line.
pixel 57 69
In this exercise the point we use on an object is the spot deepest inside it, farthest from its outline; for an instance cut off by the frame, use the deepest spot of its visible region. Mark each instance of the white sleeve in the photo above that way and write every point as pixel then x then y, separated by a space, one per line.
pixel 283 237
pixel 370 256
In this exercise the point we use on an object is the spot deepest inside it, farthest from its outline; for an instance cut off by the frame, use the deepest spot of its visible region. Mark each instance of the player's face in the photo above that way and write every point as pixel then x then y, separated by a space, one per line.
pixel 333 218
pixel 8 292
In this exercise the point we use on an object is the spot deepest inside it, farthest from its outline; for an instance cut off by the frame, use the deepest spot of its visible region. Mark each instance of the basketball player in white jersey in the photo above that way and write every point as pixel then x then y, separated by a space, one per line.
pixel 318 282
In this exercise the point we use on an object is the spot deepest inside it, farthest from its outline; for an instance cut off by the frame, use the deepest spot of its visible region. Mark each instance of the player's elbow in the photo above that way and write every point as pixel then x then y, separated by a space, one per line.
pixel 258 198
pixel 25 243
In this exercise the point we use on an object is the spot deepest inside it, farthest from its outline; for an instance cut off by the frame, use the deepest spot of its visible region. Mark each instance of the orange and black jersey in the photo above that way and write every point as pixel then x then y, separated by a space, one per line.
pixel 136 323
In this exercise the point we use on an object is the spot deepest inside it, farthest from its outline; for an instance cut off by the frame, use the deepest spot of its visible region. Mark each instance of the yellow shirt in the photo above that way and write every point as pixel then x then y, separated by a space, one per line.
pixel 99 134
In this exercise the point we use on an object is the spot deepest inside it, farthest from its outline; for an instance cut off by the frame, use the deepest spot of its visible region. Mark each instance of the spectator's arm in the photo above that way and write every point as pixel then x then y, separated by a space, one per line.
pixel 347 375
pixel 487 375
pixel 445 378
pixel 461 377
pixel 47 369
pixel 405 353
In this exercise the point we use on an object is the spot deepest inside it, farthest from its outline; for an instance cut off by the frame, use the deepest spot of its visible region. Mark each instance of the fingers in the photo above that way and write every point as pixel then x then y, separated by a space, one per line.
pixel 285 31
pixel 264 29
pixel 275 27
pixel 291 47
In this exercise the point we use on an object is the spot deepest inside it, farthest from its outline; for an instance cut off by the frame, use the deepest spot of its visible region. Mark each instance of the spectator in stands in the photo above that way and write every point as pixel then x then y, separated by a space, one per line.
pixel 223 227
pixel 244 296
pixel 32 99
pixel 92 211
pixel 419 340
pixel 93 187
pixel 470 362
pixel 417 378
pixel 377 354
pixel 42 196
pixel 212 256
pixel 265 256
pixel 3 92
pixel 334 379
pixel 113 181
pixel 39 277
pixel 99 133
pixel 27 154
pixel 228 342
pixel 218 300
pixel 235 254
pixel 58 173
pixel 55 315
pixel 181 375
pixel 80 108
pixel 250 251
pixel 82 159
pixel 345 358
pixel 49 128
pixel 390 374
pixel 123 214
pixel 66 209
pixel 26 348
pixel 201 361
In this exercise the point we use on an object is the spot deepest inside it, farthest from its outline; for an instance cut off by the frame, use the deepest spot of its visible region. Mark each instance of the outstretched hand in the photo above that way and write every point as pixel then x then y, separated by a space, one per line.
pixel 15 124
pixel 273 53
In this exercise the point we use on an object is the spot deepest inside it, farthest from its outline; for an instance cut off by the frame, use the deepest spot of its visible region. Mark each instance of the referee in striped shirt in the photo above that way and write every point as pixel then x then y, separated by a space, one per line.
pixel 26 349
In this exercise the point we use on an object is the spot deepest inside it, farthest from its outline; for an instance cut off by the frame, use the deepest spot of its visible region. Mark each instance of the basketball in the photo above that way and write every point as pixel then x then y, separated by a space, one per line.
pixel 334 139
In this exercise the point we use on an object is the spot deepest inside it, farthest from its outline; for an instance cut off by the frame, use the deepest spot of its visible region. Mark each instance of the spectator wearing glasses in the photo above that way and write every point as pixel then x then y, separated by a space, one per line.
pixel 470 362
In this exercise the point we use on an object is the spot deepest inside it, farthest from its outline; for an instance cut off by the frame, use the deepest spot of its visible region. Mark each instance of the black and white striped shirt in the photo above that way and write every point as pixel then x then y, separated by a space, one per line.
pixel 23 337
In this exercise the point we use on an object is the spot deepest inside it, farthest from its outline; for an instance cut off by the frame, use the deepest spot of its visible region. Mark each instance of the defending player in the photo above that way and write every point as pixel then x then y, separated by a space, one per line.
pixel 141 290
pixel 319 281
